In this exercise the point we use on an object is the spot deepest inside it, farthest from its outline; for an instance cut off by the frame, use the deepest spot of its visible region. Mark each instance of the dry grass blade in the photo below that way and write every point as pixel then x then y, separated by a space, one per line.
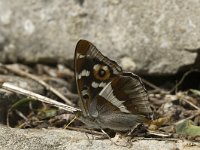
pixel 182 79
pixel 85 130
pixel 157 89
pixel 159 133
pixel 39 97
pixel 17 70
pixel 185 98
pixel 188 118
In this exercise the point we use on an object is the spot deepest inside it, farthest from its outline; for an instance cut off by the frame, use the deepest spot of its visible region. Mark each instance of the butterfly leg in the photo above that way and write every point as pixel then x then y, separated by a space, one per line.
pixel 133 129
pixel 139 130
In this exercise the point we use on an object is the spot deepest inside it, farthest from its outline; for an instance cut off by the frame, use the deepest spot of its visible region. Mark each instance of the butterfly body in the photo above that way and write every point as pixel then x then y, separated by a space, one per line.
pixel 109 97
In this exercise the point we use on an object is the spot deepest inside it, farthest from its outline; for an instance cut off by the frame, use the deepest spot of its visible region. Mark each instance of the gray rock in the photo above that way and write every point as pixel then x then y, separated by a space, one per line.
pixel 153 34
pixel 53 139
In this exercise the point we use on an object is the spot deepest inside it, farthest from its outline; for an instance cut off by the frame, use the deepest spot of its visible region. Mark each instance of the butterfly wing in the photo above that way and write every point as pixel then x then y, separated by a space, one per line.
pixel 92 72
pixel 127 93
pixel 121 104
pixel 133 93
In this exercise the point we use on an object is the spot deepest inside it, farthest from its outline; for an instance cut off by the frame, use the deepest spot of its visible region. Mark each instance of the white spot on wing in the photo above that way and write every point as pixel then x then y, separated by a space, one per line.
pixel 84 92
pixel 81 56
pixel 95 85
pixel 78 55
pixel 105 67
pixel 84 73
pixel 96 67
pixel 79 76
pixel 102 84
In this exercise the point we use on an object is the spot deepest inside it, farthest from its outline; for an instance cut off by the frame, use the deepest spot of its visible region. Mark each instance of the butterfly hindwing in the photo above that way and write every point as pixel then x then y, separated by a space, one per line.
pixel 125 93
pixel 121 104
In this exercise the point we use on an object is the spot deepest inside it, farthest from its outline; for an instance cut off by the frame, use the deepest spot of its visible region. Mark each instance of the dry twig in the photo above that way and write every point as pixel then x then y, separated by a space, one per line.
pixel 157 89
pixel 17 70
pixel 39 97
pixel 185 98
pixel 182 79
pixel 85 130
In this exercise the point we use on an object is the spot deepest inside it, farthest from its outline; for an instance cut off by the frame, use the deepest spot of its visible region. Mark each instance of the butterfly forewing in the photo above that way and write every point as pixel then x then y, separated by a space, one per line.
pixel 92 71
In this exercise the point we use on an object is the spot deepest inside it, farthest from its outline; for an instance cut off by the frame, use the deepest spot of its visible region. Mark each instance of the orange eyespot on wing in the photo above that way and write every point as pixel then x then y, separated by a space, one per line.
pixel 101 72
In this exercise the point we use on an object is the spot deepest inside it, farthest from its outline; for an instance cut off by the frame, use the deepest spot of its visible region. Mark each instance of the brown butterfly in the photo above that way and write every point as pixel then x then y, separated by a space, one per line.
pixel 109 97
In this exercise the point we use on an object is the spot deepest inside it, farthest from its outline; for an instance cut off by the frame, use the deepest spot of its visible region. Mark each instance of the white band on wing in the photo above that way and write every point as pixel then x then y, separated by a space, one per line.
pixel 107 93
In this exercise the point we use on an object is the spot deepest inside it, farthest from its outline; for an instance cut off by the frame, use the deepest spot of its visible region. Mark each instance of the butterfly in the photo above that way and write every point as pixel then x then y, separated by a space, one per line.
pixel 109 97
